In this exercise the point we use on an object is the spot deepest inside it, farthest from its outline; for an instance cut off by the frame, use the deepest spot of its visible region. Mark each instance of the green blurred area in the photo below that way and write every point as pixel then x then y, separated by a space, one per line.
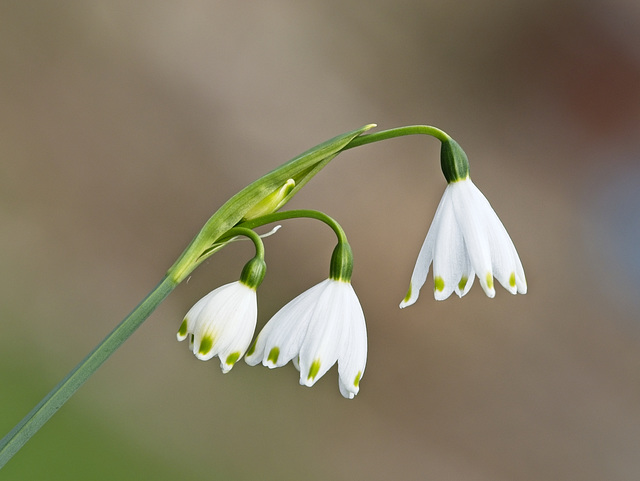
pixel 123 126
pixel 76 444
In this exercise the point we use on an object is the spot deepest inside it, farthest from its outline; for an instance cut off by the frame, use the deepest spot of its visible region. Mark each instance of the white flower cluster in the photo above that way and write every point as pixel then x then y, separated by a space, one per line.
pixel 320 327
pixel 325 325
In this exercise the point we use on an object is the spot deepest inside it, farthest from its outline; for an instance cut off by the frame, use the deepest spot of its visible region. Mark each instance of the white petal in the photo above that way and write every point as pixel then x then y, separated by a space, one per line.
pixel 282 337
pixel 449 255
pixel 236 336
pixel 467 278
pixel 507 267
pixel 192 315
pixel 231 312
pixel 470 214
pixel 521 281
pixel 425 257
pixel 322 342
pixel 353 350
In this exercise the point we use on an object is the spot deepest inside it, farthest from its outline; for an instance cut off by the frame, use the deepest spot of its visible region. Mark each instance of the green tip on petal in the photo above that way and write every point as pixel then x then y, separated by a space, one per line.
pixel 512 279
pixel 273 355
pixel 182 332
pixel 439 283
pixel 408 296
pixel 489 280
pixel 463 283
pixel 252 349
pixel 232 358
pixel 314 369
pixel 356 381
pixel 205 345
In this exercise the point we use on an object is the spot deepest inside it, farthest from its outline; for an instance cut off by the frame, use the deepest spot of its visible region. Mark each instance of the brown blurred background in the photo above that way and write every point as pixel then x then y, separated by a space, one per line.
pixel 124 125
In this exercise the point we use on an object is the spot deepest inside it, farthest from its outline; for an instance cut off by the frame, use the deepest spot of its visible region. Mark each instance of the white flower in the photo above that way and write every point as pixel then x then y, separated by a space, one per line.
pixel 465 239
pixel 221 324
pixel 319 327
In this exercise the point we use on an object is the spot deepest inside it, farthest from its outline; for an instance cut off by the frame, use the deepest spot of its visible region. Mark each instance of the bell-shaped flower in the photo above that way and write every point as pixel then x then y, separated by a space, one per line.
pixel 222 324
pixel 322 325
pixel 466 239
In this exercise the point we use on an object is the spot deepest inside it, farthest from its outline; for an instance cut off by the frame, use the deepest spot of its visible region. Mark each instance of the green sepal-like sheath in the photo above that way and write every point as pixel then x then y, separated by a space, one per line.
pixel 301 169
pixel 253 272
pixel 453 160
pixel 341 262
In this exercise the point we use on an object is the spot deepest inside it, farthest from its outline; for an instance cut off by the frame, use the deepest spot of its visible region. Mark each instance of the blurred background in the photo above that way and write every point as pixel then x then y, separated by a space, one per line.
pixel 124 125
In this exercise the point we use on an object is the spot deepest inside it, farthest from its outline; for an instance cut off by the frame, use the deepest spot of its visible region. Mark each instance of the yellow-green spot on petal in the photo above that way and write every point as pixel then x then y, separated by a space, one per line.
pixel 183 328
pixel 439 283
pixel 273 355
pixel 512 279
pixel 489 280
pixel 252 349
pixel 314 369
pixel 205 345
pixel 463 283
pixel 408 296
pixel 232 358
pixel 356 381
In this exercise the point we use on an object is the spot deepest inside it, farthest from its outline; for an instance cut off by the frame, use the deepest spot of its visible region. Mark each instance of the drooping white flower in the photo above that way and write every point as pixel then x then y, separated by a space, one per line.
pixel 222 324
pixel 322 325
pixel 466 239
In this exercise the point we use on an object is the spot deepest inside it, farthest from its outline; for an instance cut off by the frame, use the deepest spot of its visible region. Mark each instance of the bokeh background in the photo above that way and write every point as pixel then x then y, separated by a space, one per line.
pixel 124 125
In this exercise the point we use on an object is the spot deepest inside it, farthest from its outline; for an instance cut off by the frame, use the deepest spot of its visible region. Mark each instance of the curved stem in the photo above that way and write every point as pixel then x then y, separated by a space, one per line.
pixel 398 132
pixel 341 259
pixel 297 214
pixel 33 421
pixel 247 232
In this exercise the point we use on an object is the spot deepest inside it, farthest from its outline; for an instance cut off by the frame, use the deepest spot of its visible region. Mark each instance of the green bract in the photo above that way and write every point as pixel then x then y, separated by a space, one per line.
pixel 300 169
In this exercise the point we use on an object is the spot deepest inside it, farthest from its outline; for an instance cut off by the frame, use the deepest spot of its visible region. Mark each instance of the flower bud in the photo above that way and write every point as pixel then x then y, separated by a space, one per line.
pixel 271 202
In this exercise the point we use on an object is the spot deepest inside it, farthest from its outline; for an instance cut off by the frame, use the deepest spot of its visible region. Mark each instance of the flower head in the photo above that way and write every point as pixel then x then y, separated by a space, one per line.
pixel 322 325
pixel 221 324
pixel 466 239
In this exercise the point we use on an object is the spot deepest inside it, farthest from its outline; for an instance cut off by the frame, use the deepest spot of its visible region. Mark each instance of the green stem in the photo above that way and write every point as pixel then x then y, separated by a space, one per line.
pixel 33 421
pixel 341 259
pixel 296 214
pixel 398 132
